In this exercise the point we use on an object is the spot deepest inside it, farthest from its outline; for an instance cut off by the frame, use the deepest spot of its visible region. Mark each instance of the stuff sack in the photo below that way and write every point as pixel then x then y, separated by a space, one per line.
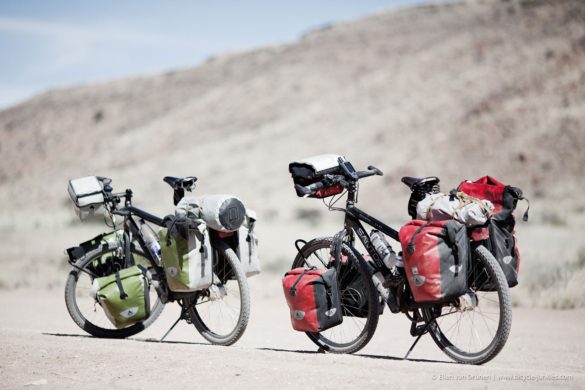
pixel 186 256
pixel 313 299
pixel 248 245
pixel 224 213
pixel 87 196
pixel 503 197
pixel 312 170
pixel 354 292
pixel 124 295
pixel 436 259
pixel 459 206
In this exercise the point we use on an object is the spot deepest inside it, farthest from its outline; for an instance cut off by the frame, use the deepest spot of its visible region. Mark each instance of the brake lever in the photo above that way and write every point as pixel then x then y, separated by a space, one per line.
pixel 376 170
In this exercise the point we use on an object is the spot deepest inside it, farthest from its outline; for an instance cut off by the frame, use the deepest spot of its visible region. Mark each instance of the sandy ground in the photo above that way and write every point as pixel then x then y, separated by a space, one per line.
pixel 41 346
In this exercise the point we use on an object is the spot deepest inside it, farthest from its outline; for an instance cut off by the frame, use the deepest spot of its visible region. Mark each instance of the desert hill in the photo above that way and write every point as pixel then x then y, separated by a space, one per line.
pixel 456 90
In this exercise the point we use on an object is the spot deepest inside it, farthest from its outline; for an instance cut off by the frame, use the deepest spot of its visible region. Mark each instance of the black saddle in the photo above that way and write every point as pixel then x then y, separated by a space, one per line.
pixel 185 183
pixel 415 183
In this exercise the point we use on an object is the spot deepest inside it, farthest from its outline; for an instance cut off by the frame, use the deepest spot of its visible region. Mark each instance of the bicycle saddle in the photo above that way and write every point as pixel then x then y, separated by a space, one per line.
pixel 416 182
pixel 180 182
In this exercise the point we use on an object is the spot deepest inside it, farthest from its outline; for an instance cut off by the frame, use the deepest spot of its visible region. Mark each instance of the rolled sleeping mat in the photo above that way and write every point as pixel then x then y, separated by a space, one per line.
pixel 221 212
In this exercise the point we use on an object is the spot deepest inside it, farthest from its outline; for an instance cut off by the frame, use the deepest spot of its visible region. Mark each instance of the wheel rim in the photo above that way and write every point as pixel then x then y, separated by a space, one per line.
pixel 469 329
pixel 354 326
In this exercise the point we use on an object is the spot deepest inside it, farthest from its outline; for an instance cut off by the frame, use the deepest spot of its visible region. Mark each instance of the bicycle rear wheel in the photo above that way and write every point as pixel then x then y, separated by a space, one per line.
pixel 221 312
pixel 85 310
pixel 475 328
pixel 359 299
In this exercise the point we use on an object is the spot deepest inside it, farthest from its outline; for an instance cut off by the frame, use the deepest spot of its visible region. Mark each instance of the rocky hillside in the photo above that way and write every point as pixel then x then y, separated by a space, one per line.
pixel 456 90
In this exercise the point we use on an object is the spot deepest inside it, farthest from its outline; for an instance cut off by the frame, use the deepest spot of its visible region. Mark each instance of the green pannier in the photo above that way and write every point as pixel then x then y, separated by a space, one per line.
pixel 124 295
pixel 187 260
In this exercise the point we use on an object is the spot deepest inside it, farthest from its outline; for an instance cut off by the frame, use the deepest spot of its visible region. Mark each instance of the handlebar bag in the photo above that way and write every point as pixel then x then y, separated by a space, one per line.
pixel 186 256
pixel 436 258
pixel 248 245
pixel 87 196
pixel 312 170
pixel 312 296
pixel 224 213
pixel 124 295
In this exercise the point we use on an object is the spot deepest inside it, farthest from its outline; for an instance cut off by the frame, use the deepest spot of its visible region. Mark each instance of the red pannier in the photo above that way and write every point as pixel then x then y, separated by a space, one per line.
pixel 436 258
pixel 312 296
pixel 502 241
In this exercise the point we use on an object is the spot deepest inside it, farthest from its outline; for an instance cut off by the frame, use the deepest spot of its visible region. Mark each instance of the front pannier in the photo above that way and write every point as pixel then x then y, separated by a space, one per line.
pixel 436 257
pixel 124 295
pixel 312 170
pixel 186 256
pixel 312 296
pixel 87 195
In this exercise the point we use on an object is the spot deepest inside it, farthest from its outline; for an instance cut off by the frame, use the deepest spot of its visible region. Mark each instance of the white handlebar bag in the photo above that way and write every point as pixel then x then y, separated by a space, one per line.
pixel 248 246
pixel 87 195
pixel 463 208
pixel 224 213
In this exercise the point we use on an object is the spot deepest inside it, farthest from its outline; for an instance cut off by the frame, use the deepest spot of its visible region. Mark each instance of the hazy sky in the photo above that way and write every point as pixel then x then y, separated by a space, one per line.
pixel 45 44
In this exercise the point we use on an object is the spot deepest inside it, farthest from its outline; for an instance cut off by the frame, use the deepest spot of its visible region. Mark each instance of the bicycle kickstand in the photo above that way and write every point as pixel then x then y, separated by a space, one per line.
pixel 418 331
pixel 182 316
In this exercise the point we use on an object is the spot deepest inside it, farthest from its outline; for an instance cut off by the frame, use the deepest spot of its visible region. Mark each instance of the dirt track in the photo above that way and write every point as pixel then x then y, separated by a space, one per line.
pixel 42 346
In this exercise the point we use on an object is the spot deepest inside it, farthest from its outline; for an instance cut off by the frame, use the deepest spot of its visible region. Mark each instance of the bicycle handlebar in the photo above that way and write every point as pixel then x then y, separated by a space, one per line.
pixel 343 180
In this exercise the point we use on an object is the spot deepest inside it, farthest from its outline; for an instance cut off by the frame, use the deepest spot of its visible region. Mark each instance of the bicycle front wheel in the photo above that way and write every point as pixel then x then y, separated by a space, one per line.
pixel 475 328
pixel 221 312
pixel 83 307
pixel 359 299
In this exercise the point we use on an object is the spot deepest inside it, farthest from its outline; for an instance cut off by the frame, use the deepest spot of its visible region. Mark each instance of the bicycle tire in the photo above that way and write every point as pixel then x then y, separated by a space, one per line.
pixel 368 327
pixel 223 305
pixel 71 301
pixel 484 261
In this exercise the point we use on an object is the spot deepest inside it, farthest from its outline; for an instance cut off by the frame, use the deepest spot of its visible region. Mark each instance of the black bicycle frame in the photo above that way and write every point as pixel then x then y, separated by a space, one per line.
pixel 353 216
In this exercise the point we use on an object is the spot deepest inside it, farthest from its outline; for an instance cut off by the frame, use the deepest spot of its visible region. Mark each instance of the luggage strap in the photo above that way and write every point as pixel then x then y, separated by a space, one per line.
pixel 293 289
pixel 123 294
pixel 410 246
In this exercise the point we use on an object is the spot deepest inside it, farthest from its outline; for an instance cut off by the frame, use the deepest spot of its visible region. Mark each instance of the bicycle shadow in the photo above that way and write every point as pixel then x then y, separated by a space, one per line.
pixel 149 340
pixel 367 356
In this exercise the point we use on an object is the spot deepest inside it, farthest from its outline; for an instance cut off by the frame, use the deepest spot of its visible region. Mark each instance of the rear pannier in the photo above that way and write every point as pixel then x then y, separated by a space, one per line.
pixel 502 241
pixel 312 169
pixel 124 295
pixel 312 296
pixel 224 213
pixel 436 256
pixel 87 195
pixel 248 245
pixel 187 257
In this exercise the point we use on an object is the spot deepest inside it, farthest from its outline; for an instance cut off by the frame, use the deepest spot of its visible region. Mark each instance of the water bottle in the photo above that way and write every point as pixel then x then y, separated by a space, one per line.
pixel 383 248
pixel 378 280
pixel 150 240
